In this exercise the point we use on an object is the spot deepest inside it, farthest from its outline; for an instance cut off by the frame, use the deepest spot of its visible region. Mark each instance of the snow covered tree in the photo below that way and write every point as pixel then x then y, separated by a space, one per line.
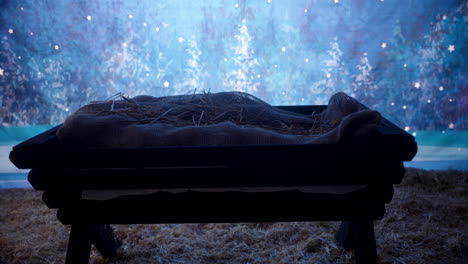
pixel 243 76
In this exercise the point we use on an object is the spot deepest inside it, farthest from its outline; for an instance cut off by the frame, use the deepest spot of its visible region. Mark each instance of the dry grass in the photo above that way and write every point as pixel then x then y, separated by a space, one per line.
pixel 425 223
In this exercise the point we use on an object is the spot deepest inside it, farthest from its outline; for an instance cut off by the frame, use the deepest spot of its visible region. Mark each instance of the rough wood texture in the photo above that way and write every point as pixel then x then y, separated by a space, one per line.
pixel 83 235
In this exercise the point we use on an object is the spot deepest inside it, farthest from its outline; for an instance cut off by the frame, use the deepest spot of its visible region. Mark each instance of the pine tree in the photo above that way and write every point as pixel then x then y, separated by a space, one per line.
pixel 243 77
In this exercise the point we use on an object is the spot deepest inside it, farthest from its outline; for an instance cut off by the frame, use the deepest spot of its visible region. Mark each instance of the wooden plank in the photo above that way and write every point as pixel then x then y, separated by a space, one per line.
pixel 196 207
pixel 217 177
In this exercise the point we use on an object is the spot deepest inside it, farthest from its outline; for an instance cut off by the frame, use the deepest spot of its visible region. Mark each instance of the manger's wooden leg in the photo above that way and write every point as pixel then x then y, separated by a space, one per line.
pixel 363 240
pixel 79 244
pixel 105 241
pixel 343 236
pixel 359 235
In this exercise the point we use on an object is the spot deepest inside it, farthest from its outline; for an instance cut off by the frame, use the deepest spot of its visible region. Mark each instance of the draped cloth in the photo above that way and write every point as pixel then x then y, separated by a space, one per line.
pixel 212 119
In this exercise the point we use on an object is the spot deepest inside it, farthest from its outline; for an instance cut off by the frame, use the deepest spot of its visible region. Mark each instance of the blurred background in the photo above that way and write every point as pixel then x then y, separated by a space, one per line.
pixel 406 59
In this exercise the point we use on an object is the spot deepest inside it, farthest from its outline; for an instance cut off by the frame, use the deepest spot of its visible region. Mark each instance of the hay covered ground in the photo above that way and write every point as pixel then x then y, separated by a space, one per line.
pixel 425 223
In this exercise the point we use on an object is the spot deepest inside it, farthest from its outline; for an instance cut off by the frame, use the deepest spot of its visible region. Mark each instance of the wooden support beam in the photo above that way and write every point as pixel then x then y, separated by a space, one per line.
pixel 79 244
pixel 359 235
pixel 82 235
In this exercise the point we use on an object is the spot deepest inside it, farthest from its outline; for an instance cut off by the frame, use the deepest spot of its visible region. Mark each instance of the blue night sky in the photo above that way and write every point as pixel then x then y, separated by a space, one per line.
pixel 406 59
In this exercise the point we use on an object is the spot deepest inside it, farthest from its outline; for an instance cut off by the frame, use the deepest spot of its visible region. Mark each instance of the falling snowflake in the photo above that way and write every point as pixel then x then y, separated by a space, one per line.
pixel 1 72
pixel 157 29
pixel 407 128
pixel 384 45
pixel 417 85
pixel 451 48
pixel 89 18
pixel 441 88
pixel 166 84
pixel 180 39
pixel 10 31
pixel 451 125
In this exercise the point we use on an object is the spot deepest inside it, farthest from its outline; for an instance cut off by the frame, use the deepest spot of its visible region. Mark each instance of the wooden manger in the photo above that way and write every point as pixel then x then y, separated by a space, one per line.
pixel 214 180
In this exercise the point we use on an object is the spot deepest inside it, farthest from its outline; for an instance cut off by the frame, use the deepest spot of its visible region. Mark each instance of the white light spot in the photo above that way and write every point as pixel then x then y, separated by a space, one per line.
pixel 269 1
pixel 283 49
pixel 393 104
pixel 89 18
pixel 22 9
pixel 441 88
pixel 66 109
pixel 450 100
pixel 19 58
pixel 428 101
pixel 451 48
pixel 258 76
pixel 405 65
pixel 383 45
pixel 404 107
pixel 237 5
pixel 407 128
pixel 276 65
pixel 166 84
pixel 444 17
pixel 306 59
pixel 180 39
pixel 10 31
pixel 451 125
pixel 157 29
pixel 30 33
pixel 243 21
pixel 305 10
pixel 124 44
pixel 1 71
pixel 224 59
pixel 417 85
pixel 336 1
pixel 328 75
pixel 414 134
pixel 130 16
pixel 443 131
pixel 39 73
pixel 147 74
pixel 56 47
pixel 144 24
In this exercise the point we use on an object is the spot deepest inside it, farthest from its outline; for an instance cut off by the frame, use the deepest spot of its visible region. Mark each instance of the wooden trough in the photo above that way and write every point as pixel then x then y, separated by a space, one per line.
pixel 67 174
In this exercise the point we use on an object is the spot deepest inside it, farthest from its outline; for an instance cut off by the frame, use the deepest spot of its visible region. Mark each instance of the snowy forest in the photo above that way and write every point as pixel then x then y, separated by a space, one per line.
pixel 406 59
